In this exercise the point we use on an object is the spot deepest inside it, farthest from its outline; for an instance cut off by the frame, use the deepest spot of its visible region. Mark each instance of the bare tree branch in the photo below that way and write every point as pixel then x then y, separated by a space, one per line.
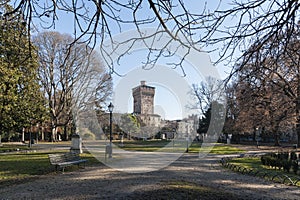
pixel 228 29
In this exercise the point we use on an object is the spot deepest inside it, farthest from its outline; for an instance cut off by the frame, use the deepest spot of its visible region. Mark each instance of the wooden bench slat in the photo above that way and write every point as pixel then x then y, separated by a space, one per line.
pixel 66 159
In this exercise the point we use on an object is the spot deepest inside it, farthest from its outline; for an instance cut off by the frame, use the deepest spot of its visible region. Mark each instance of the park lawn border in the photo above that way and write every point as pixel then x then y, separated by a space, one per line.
pixel 18 167
pixel 195 147
pixel 253 166
pixel 7 147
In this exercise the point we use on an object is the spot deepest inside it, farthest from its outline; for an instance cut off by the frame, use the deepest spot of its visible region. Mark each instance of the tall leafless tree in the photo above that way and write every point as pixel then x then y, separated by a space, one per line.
pixel 208 92
pixel 70 77
pixel 267 91
pixel 260 105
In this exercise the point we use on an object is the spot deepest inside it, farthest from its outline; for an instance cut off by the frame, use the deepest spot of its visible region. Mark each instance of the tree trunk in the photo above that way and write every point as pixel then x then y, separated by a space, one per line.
pixel 298 113
pixel 298 130
pixel 73 127
pixel 277 143
pixel 43 133
pixel 277 137
pixel 66 137
pixel 54 134
pixel 254 134
pixel 23 134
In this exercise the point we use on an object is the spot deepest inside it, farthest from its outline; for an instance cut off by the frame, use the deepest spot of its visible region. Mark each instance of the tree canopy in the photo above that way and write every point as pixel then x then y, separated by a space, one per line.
pixel 267 92
pixel 21 100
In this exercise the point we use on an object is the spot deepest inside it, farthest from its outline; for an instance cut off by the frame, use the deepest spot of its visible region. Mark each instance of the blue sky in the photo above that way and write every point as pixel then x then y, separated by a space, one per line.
pixel 166 100
pixel 65 23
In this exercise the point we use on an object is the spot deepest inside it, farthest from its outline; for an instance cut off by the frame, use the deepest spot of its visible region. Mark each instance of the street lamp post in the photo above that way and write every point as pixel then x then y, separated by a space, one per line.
pixel 110 109
pixel 187 139
pixel 256 136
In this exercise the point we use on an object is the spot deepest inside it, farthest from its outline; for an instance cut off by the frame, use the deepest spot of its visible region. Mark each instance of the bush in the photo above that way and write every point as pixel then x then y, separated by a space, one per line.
pixel 283 156
pixel 280 161
pixel 293 156
pixel 269 161
pixel 273 155
pixel 287 164
pixel 295 166
pixel 263 160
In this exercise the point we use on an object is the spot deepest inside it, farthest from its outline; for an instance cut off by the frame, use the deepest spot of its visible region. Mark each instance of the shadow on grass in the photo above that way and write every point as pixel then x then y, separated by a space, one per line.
pixel 182 190
pixel 20 167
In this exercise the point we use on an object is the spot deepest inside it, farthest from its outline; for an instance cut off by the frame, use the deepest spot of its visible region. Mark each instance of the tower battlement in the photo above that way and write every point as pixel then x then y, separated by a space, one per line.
pixel 143 99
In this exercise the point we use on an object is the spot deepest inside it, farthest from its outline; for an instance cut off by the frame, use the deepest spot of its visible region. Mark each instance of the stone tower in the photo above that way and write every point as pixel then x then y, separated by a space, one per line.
pixel 143 99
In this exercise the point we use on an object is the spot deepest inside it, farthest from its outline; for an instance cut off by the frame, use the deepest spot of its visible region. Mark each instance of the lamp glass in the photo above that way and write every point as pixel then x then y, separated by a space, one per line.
pixel 110 107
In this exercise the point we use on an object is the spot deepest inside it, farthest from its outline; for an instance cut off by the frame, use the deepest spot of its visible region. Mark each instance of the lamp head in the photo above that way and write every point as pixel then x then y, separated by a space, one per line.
pixel 110 107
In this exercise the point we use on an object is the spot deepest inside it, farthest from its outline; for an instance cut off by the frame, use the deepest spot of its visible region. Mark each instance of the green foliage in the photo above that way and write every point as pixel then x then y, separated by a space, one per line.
pixel 294 156
pixel 212 121
pixel 254 164
pixel 295 166
pixel 129 124
pixel 204 121
pixel 21 101
pixel 280 161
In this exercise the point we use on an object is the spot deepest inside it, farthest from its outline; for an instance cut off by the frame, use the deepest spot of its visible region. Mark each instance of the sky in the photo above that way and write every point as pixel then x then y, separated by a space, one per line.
pixel 171 102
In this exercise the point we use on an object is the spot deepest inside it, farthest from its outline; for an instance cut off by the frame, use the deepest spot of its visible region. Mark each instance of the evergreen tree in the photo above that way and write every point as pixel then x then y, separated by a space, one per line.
pixel 204 122
pixel 20 96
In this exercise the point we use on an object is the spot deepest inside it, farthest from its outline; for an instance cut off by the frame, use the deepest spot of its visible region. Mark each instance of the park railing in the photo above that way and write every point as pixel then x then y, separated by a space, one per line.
pixel 268 175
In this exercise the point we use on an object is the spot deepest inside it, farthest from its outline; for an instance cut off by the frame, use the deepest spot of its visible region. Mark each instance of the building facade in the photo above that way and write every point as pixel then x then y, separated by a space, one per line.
pixel 143 99
pixel 143 105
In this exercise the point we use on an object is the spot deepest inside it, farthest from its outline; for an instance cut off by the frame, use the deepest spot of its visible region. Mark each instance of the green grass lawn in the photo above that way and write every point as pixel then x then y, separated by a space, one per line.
pixel 255 164
pixel 17 167
pixel 7 147
pixel 222 149
pixel 139 145
pixel 178 146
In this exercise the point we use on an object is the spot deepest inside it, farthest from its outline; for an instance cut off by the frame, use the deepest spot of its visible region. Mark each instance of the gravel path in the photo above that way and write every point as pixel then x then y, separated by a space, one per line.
pixel 101 182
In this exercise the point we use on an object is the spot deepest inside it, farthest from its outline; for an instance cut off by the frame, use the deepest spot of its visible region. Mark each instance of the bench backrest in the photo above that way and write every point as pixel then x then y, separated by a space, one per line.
pixel 66 157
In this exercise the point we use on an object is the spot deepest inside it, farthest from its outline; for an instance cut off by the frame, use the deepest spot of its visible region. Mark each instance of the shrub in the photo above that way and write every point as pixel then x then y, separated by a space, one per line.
pixel 280 161
pixel 293 156
pixel 273 155
pixel 282 156
pixel 287 164
pixel 295 166
pixel 263 160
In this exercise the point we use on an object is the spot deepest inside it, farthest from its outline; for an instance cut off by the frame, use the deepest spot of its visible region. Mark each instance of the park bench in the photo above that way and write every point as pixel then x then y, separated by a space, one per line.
pixel 66 159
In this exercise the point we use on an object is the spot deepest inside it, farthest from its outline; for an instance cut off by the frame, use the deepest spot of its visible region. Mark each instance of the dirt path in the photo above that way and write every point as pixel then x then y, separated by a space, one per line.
pixel 101 182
